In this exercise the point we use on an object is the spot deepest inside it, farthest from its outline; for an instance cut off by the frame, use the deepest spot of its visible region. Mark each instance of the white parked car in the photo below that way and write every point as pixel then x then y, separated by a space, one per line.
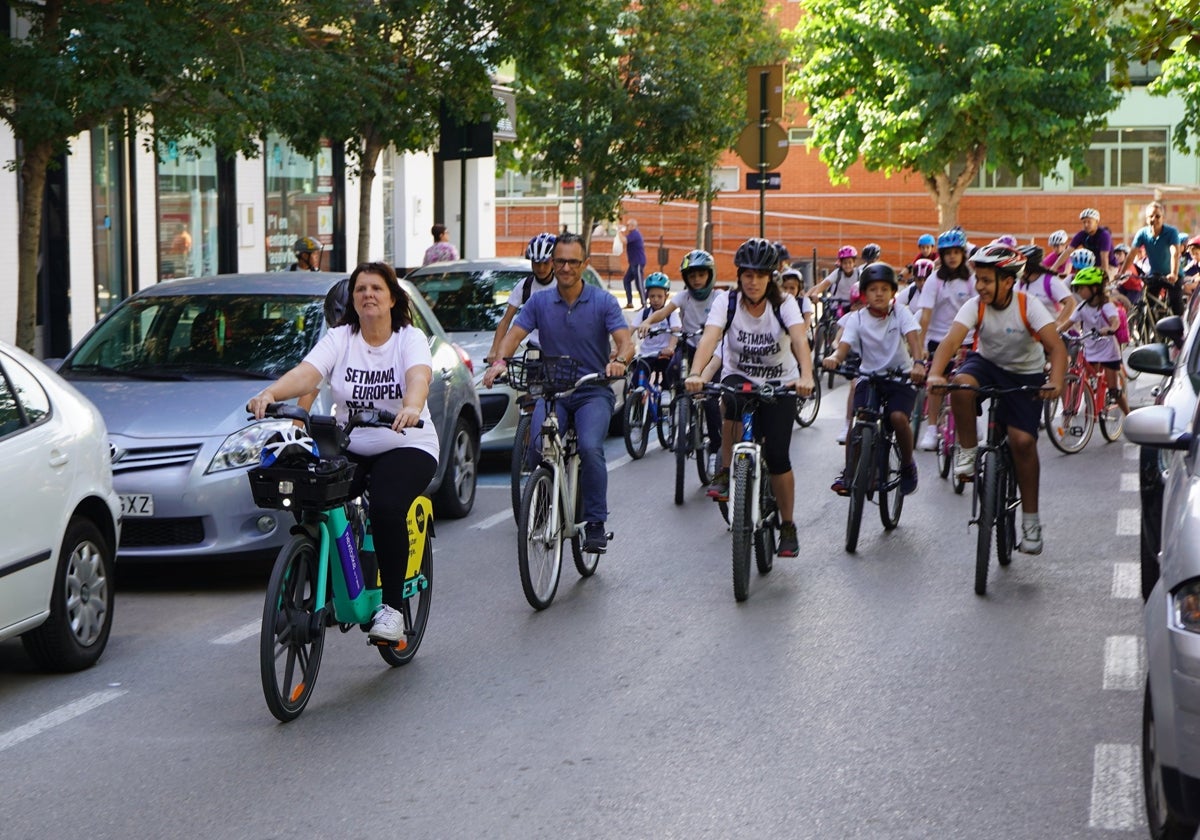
pixel 56 491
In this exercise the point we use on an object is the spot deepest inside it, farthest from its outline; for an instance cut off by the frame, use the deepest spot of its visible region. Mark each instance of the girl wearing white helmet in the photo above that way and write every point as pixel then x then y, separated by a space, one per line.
pixel 1057 243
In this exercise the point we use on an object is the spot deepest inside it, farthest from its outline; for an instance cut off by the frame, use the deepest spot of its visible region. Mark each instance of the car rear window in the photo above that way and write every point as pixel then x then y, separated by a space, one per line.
pixel 468 301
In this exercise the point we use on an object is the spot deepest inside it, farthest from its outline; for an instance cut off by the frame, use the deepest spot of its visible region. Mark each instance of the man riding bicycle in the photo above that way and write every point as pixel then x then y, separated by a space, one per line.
pixel 1161 244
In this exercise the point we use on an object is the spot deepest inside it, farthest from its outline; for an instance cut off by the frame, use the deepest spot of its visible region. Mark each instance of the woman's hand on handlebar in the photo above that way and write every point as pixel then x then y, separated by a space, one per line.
pixel 803 385
pixel 406 418
pixel 829 362
pixel 693 384
pixel 259 402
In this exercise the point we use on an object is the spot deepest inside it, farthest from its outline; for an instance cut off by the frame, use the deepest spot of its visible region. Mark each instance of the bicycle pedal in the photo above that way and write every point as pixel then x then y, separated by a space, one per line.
pixel 402 644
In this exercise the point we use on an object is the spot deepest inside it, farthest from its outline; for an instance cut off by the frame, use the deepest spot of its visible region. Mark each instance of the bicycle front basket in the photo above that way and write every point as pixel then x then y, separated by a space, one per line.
pixel 322 486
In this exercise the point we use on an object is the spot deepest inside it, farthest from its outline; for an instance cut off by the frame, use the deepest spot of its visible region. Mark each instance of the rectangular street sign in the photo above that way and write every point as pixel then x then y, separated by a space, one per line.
pixel 774 92
pixel 774 181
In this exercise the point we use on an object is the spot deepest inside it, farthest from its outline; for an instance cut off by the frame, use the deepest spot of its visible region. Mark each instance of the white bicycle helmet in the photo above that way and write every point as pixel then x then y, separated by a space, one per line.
pixel 1059 237
pixel 290 447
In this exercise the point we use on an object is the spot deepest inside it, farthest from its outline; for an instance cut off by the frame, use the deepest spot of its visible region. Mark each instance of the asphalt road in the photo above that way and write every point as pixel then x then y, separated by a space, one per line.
pixel 871 695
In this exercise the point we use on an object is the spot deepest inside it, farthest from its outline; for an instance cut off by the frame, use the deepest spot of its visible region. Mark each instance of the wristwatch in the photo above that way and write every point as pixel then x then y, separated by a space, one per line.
pixel 624 362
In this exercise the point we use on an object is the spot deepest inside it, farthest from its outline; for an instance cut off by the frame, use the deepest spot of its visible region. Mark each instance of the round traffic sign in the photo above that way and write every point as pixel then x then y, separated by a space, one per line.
pixel 747 146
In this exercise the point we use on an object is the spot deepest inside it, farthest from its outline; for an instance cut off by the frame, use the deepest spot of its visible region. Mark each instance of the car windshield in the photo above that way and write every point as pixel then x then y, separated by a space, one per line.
pixel 468 301
pixel 192 336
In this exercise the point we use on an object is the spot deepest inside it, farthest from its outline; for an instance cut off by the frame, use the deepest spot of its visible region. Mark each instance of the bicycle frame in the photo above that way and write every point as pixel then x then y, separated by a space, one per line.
pixel 559 456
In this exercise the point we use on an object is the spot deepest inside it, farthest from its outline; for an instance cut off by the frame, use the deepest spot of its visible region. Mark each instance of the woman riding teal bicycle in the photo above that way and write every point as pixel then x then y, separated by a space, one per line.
pixel 376 359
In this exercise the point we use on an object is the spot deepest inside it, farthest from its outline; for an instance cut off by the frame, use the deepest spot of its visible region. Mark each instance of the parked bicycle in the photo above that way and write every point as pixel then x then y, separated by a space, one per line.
pixel 644 406
pixel 327 574
pixel 1071 417
pixel 550 502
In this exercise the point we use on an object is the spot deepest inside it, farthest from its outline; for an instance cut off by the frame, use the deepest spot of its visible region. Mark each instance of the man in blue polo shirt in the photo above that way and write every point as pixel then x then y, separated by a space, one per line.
pixel 1161 243
pixel 576 320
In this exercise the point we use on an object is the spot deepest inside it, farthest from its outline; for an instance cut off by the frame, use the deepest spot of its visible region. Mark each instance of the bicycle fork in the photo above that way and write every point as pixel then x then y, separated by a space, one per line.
pixel 745 451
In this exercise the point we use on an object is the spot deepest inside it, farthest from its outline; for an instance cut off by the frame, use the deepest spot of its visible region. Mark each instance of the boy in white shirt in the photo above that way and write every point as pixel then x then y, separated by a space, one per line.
pixel 886 337
pixel 659 349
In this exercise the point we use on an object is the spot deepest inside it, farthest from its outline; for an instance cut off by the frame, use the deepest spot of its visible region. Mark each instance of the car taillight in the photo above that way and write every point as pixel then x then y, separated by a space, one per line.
pixel 466 358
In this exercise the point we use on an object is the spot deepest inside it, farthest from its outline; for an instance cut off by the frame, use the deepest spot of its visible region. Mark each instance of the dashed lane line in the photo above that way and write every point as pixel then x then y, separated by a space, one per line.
pixel 1116 787
pixel 1127 580
pixel 240 634
pixel 1129 521
pixel 1123 667
pixel 54 717
pixel 494 519
pixel 1130 483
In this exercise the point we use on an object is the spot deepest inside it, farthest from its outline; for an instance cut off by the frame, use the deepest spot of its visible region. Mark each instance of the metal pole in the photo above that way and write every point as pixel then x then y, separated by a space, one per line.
pixel 462 206
pixel 763 117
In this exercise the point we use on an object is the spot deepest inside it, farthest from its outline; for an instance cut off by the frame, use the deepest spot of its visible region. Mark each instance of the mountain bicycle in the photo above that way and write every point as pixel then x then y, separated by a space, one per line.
pixel 550 502
pixel 873 456
pixel 754 513
pixel 693 438
pixel 327 574
pixel 644 406
pixel 1071 417
pixel 995 498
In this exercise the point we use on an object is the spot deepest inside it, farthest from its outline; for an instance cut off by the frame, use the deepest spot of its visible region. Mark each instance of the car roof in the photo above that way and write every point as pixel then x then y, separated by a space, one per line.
pixel 492 264
pixel 315 283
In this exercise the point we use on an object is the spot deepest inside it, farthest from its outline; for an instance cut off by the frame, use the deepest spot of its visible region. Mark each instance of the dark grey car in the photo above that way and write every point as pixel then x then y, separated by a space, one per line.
pixel 171 369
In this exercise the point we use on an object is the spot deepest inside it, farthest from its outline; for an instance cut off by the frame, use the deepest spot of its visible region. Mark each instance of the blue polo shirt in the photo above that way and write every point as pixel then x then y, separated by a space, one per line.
pixel 1158 248
pixel 580 331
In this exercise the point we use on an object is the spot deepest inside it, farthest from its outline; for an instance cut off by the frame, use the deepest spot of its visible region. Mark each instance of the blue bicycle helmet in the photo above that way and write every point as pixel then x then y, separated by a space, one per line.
pixel 658 280
pixel 1082 258
pixel 956 237
pixel 699 259
pixel 926 239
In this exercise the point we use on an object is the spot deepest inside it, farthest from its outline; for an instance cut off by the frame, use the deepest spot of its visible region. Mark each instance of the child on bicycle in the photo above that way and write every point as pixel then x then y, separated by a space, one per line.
pixel 1039 281
pixel 1007 354
pixel 944 294
pixel 1098 313
pixel 790 281
pixel 839 281
pixel 887 337
pixel 659 349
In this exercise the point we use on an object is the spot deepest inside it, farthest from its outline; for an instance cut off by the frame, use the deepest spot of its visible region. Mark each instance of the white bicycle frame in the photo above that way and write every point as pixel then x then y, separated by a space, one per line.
pixel 566 476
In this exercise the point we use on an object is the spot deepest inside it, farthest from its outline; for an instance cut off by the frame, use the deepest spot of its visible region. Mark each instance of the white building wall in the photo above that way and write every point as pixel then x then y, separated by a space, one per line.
pixel 10 214
pixel 81 257
pixel 413 202
pixel 145 209
pixel 481 206
pixel 252 214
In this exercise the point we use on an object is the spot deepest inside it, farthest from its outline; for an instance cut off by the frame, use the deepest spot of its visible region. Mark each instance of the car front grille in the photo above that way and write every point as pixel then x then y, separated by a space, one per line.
pixel 493 407
pixel 153 457
pixel 159 533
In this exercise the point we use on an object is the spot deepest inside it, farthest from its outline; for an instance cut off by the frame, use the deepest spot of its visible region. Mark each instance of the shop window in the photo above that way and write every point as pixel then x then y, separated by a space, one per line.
pixel 187 209
pixel 300 201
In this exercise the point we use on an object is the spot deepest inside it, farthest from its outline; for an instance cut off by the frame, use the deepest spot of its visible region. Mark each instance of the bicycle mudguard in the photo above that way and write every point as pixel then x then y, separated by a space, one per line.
pixel 420 528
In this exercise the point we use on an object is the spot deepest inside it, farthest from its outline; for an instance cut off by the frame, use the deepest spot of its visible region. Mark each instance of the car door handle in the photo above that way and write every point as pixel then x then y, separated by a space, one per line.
pixel 58 458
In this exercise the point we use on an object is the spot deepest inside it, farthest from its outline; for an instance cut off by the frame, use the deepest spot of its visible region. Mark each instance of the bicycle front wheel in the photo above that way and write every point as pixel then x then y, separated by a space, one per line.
pixel 988 481
pixel 1071 416
pixel 666 421
pixel 1112 419
pixel 637 422
pixel 293 630
pixel 807 407
pixel 944 441
pixel 415 610
pixel 520 468
pixel 743 528
pixel 1006 515
pixel 681 408
pixel 891 500
pixel 707 463
pixel 860 470
pixel 539 540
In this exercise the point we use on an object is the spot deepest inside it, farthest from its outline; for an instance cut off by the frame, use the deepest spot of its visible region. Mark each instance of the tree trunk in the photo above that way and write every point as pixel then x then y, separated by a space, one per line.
pixel 589 220
pixel 372 149
pixel 947 192
pixel 29 241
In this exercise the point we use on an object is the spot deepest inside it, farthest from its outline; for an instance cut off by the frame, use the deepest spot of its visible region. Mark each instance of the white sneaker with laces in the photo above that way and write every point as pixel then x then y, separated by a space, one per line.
pixel 964 464
pixel 1031 539
pixel 928 438
pixel 388 625
pixel 841 438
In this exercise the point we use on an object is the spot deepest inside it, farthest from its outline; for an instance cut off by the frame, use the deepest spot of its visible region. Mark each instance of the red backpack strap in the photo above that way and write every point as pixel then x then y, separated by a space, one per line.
pixel 978 324
pixel 1022 307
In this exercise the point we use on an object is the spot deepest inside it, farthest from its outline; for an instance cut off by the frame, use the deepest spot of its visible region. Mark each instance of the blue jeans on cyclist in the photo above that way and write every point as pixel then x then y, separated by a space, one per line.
pixel 590 410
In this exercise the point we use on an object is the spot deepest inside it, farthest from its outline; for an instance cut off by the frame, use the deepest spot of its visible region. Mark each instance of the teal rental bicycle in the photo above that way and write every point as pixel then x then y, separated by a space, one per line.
pixel 327 574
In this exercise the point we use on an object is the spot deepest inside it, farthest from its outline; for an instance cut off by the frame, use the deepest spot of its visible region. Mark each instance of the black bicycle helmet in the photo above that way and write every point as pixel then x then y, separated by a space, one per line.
pixel 875 273
pixel 336 301
pixel 756 254
pixel 870 252
pixel 1033 254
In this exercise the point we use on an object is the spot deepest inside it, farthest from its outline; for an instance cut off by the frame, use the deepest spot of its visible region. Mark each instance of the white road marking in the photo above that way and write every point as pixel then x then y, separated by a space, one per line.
pixel 494 519
pixel 1127 580
pixel 1129 522
pixel 1130 483
pixel 619 462
pixel 1131 451
pixel 1116 787
pixel 56 716
pixel 1123 663
pixel 240 634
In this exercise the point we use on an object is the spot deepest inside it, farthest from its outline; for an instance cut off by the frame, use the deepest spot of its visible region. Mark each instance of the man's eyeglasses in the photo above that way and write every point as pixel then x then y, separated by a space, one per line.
pixel 559 263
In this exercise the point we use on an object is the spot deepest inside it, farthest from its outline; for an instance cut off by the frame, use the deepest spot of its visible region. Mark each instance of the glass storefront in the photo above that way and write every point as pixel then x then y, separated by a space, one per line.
pixel 187 209
pixel 108 218
pixel 300 196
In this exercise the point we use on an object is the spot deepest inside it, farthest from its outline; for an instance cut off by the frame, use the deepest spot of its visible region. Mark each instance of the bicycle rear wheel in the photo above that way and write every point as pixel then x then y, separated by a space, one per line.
pixel 742 528
pixel 585 561
pixel 1112 419
pixel 860 469
pixel 637 422
pixel 987 479
pixel 520 468
pixel 539 540
pixel 807 407
pixel 891 500
pixel 293 630
pixel 681 408
pixel 944 445
pixel 764 537
pixel 1071 416
pixel 415 610
pixel 707 465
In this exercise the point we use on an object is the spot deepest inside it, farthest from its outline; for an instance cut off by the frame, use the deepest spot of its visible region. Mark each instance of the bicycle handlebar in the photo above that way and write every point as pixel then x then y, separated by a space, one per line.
pixel 893 375
pixel 993 390
pixel 380 418
pixel 766 391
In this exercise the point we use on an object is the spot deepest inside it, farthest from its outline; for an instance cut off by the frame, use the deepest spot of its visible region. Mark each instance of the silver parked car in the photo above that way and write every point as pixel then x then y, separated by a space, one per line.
pixel 171 370
pixel 1169 434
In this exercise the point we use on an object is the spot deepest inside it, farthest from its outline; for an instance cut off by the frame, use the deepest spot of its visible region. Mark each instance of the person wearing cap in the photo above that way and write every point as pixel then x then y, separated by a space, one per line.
pixel 308 255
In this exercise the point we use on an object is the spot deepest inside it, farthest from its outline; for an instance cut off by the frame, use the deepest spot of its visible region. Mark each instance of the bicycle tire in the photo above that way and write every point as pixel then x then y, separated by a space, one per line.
pixel 636 425
pixel 416 614
pixel 586 562
pixel 860 469
pixel 1071 416
pixel 539 540
pixel 742 529
pixel 764 538
pixel 808 407
pixel 1006 520
pixel 683 442
pixel 944 447
pixel 666 422
pixel 988 484
pixel 293 630
pixel 519 470
pixel 920 409
pixel 891 500
pixel 1112 419
pixel 701 441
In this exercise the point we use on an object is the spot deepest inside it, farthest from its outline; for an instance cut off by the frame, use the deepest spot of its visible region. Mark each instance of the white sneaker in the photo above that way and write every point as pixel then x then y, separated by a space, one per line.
pixel 388 625
pixel 928 438
pixel 841 438
pixel 1031 539
pixel 964 464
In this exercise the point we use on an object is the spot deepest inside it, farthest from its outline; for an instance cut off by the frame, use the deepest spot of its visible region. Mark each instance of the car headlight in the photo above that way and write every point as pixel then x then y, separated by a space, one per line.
pixel 243 448
pixel 1187 606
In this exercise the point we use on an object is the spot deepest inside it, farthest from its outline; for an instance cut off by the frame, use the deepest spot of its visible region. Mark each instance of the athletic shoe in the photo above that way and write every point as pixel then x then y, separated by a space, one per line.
pixel 908 479
pixel 928 440
pixel 388 626
pixel 719 488
pixel 1031 539
pixel 841 438
pixel 839 485
pixel 595 541
pixel 964 464
pixel 789 543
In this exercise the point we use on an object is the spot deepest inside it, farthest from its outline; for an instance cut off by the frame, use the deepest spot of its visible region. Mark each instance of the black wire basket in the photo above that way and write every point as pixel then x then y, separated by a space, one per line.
pixel 321 486
pixel 543 374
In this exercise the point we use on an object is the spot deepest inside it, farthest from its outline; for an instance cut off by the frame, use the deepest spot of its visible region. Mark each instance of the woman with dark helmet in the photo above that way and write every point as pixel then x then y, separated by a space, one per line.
pixel 762 337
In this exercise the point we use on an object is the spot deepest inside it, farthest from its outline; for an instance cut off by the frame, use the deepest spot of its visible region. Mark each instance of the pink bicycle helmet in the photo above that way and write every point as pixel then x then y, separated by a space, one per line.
pixel 847 252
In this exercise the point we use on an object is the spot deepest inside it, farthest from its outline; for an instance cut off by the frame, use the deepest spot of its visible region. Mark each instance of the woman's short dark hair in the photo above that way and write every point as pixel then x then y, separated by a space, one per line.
pixel 437 231
pixel 401 317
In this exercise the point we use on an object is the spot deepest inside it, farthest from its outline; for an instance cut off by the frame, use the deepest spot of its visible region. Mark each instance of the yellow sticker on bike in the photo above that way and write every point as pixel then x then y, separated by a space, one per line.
pixel 420 518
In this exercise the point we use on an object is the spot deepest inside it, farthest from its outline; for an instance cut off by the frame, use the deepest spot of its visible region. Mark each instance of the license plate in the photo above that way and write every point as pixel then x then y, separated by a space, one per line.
pixel 137 504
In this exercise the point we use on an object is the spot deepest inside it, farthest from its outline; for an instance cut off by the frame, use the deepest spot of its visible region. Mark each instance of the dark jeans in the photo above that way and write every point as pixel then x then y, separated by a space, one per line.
pixel 633 276
pixel 1154 282
pixel 590 409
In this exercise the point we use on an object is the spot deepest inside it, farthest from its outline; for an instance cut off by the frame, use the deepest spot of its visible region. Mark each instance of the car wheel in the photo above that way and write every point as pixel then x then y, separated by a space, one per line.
pixel 1165 824
pixel 456 496
pixel 81 603
pixel 1151 488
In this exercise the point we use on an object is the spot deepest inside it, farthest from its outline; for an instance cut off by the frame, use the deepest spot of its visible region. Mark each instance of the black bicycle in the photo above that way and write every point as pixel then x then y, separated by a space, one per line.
pixel 693 438
pixel 824 338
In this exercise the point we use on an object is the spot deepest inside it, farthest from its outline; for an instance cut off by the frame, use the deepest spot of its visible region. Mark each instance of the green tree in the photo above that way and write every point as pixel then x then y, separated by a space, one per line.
pixel 943 89
pixel 645 95
pixel 1168 32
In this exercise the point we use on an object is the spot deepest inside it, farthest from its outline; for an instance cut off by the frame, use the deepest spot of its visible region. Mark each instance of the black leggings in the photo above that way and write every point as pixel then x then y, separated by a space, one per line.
pixel 394 479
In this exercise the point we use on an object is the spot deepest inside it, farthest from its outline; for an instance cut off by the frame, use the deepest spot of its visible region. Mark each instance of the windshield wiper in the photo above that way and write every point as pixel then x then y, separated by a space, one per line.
pixel 132 373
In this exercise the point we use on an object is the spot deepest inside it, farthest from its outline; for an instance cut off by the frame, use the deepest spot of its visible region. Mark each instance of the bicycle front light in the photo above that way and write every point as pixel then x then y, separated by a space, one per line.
pixel 1187 606
pixel 243 448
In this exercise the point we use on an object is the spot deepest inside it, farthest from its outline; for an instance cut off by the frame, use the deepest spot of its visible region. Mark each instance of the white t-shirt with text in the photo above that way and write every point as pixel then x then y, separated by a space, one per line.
pixel 758 348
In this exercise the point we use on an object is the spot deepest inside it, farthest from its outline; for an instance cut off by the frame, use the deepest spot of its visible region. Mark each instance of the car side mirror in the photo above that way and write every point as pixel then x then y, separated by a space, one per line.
pixel 1154 425
pixel 1172 329
pixel 1152 358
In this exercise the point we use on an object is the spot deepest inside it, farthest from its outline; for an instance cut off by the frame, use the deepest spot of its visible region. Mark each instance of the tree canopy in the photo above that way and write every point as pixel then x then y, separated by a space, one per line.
pixel 941 90
pixel 1169 32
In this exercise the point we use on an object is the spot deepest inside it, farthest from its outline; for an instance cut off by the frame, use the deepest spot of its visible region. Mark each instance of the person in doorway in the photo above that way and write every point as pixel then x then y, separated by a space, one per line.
pixel 308 255
pixel 635 255
pixel 442 249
